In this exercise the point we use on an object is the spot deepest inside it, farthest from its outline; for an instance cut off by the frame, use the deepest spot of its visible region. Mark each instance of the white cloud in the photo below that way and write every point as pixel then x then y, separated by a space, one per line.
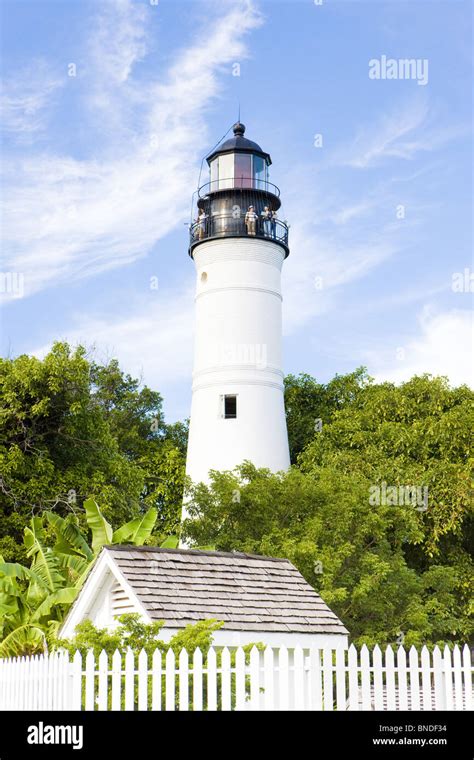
pixel 26 99
pixel 326 253
pixel 151 339
pixel 444 346
pixel 408 129
pixel 318 267
pixel 119 40
pixel 67 218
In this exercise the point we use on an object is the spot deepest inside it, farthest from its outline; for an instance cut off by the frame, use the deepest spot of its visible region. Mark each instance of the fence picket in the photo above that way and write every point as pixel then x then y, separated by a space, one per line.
pixel 283 672
pixel 390 678
pixel 353 679
pixel 268 679
pixel 52 683
pixel 197 680
pixel 438 680
pixel 63 673
pixel 426 679
pixel 226 694
pixel 327 679
pixel 299 690
pixel 21 683
pixel 129 680
pixel 143 681
pixel 44 682
pixel 29 676
pixel 414 679
pixel 116 681
pixel 212 680
pixel 466 659
pixel 9 690
pixel 240 699
pixel 32 680
pixel 254 678
pixel 341 691
pixel 365 678
pixel 90 675
pixel 170 682
pixel 102 689
pixel 315 683
pixel 183 681
pixel 402 679
pixel 457 675
pixel 448 679
pixel 156 680
pixel 378 678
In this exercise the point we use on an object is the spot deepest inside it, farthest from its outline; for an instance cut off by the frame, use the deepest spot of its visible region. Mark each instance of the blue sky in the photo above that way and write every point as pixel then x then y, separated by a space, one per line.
pixel 99 169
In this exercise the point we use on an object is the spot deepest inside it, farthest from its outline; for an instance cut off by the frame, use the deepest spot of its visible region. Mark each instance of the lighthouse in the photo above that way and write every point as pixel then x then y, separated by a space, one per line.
pixel 238 244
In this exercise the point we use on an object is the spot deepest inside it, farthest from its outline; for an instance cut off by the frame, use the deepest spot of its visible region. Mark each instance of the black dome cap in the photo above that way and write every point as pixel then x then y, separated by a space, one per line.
pixel 239 144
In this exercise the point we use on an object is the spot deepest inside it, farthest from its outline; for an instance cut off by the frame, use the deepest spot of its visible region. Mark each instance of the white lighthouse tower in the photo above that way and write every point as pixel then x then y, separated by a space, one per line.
pixel 238 246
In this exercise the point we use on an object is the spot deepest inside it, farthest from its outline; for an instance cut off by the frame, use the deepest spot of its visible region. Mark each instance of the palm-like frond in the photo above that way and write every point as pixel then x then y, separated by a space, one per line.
pixel 25 640
pixel 45 564
pixel 69 537
pixel 71 562
pixel 61 596
pixel 101 530
pixel 138 530
pixel 172 542
pixel 8 606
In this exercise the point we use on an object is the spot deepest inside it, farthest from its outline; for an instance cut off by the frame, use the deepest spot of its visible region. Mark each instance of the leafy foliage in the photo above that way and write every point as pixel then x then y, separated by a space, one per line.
pixel 75 433
pixel 132 633
pixel 34 600
pixel 72 429
pixel 391 571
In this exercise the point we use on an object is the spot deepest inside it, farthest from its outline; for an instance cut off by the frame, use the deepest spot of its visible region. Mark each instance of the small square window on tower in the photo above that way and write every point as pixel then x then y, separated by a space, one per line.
pixel 230 407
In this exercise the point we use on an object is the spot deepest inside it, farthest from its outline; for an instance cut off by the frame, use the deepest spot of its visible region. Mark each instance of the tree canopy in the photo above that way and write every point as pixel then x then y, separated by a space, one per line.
pixel 376 510
pixel 392 566
pixel 72 429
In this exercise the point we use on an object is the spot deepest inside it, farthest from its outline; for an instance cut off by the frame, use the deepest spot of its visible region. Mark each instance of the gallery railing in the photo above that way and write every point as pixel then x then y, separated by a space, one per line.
pixel 230 225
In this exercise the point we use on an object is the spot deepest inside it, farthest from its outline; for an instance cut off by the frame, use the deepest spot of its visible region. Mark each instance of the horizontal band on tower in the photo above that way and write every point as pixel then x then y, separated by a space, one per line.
pixel 231 383
pixel 239 367
pixel 239 287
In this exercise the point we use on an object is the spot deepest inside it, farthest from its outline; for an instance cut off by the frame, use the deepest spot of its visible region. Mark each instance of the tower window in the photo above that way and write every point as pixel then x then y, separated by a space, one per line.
pixel 230 407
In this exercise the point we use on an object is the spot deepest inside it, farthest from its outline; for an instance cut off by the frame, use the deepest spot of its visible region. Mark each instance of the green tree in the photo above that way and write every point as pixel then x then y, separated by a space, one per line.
pixel 418 433
pixel 309 405
pixel 386 568
pixel 71 428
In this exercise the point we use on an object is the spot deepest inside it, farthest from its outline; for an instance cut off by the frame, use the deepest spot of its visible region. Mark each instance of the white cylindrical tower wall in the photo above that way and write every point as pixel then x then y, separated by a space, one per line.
pixel 237 353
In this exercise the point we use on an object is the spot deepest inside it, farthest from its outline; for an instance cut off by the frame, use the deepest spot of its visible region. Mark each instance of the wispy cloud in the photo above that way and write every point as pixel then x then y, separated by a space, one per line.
pixel 67 218
pixel 321 265
pixel 26 99
pixel 119 39
pixel 334 241
pixel 152 338
pixel 408 129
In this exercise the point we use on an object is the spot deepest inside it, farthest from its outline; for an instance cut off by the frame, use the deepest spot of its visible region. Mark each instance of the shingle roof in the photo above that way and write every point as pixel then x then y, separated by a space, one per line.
pixel 246 591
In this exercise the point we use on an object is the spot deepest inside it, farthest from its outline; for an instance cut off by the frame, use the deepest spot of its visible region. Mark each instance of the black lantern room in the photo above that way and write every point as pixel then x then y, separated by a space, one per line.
pixel 238 201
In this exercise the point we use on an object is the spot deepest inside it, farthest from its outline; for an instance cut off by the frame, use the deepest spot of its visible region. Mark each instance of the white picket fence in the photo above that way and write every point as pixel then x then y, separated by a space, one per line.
pixel 276 678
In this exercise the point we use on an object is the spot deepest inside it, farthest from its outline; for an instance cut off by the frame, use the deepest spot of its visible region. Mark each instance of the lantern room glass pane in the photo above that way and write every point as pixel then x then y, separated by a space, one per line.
pixel 226 171
pixel 214 174
pixel 243 170
pixel 259 172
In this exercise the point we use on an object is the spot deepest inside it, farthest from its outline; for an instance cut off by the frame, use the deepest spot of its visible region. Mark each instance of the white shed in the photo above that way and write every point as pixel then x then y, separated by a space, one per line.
pixel 259 599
